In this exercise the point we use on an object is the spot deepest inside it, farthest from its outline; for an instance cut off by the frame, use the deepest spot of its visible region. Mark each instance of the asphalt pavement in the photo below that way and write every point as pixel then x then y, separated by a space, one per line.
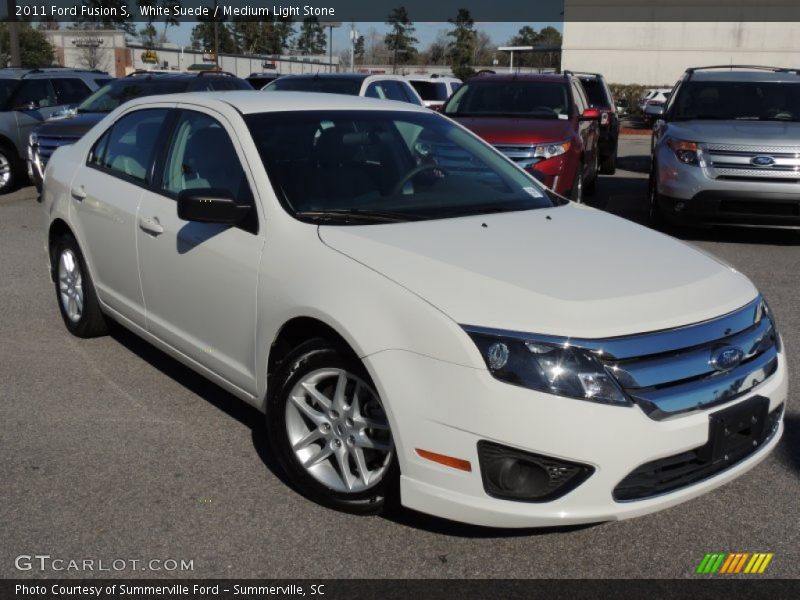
pixel 110 450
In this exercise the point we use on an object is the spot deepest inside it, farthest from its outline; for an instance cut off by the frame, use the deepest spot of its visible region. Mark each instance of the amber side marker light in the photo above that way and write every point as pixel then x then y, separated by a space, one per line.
pixel 447 461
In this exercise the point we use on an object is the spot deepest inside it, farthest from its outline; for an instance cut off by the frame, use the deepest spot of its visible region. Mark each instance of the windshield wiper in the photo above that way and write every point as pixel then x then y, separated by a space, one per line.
pixel 360 214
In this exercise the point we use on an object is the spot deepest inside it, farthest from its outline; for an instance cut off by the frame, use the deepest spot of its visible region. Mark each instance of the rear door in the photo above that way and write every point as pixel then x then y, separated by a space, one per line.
pixel 200 279
pixel 105 196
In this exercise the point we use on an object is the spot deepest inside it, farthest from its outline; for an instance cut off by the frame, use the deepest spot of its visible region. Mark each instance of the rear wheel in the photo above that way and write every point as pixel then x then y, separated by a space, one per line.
pixel 609 164
pixel 591 184
pixel 329 430
pixel 75 292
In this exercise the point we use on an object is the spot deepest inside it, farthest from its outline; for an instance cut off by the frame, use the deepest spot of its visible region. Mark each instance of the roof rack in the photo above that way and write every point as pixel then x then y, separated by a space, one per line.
pixel 756 67
pixel 567 73
pixel 139 72
pixel 579 73
pixel 216 72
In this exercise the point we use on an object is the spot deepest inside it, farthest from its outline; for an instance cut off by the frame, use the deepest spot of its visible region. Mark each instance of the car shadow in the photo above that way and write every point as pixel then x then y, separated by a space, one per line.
pixel 252 418
pixel 790 444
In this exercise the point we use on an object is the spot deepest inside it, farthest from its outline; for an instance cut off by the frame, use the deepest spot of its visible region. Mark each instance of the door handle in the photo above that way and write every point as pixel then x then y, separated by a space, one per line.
pixel 151 226
pixel 78 193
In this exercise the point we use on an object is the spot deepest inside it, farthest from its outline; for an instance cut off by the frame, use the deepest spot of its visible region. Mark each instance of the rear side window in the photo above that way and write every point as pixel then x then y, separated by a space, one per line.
pixel 596 93
pixel 351 87
pixel 128 148
pixel 71 90
pixel 38 93
pixel 431 90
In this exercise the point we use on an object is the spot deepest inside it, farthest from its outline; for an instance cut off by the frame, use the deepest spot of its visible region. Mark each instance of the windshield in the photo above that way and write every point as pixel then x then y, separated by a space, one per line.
pixel 430 90
pixel 536 99
pixel 350 166
pixel 327 85
pixel 7 87
pixel 109 97
pixel 732 100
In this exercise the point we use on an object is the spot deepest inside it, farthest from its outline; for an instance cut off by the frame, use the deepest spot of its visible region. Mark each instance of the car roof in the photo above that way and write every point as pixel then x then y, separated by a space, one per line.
pixel 19 73
pixel 443 79
pixel 255 101
pixel 508 77
pixel 747 75
pixel 341 76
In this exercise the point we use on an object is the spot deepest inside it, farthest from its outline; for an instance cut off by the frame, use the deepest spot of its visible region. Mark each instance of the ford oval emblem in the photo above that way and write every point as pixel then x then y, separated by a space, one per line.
pixel 726 358
pixel 762 161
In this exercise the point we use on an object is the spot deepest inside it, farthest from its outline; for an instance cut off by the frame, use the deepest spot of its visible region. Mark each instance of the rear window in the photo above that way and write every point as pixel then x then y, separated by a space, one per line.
pixel 325 85
pixel 431 90
pixel 596 92
pixel 516 98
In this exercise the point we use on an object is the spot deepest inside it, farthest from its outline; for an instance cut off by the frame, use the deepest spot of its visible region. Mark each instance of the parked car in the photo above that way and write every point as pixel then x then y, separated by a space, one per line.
pixel 28 97
pixel 49 136
pixel 542 122
pixel 725 150
pixel 434 91
pixel 599 96
pixel 259 80
pixel 621 106
pixel 385 87
pixel 658 94
pixel 654 107
pixel 408 326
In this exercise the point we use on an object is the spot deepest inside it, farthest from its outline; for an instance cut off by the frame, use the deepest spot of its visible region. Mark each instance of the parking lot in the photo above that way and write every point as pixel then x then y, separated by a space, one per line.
pixel 111 450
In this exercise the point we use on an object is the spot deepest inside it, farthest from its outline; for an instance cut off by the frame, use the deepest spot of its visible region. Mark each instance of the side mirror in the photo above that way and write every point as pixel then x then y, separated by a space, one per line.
pixel 210 206
pixel 655 111
pixel 590 114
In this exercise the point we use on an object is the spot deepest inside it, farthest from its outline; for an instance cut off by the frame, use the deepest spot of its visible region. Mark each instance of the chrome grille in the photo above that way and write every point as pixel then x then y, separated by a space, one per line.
pixel 670 373
pixel 522 154
pixel 734 161
pixel 46 145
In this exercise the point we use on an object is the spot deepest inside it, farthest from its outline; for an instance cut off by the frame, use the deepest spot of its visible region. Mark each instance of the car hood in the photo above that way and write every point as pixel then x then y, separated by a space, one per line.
pixel 72 126
pixel 569 271
pixel 748 133
pixel 507 130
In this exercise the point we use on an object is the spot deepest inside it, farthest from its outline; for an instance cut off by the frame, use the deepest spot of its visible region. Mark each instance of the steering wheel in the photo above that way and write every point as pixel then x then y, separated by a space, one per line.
pixel 413 173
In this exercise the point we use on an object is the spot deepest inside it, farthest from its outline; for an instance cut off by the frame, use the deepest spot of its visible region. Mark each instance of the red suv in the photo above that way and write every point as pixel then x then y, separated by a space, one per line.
pixel 542 122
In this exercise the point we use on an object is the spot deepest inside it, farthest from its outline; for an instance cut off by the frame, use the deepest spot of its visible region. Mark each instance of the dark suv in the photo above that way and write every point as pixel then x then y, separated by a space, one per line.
pixel 542 122
pixel 594 84
pixel 65 131
pixel 28 97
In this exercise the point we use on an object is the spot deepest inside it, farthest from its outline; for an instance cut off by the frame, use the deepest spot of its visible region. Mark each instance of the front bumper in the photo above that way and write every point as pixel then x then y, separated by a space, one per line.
pixel 448 409
pixel 690 193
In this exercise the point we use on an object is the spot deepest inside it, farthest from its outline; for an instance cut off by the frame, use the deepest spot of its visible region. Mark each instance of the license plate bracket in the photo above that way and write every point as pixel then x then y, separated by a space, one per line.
pixel 736 431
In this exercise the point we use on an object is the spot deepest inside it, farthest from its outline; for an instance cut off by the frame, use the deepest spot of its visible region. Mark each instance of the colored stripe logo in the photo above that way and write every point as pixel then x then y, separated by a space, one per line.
pixel 733 563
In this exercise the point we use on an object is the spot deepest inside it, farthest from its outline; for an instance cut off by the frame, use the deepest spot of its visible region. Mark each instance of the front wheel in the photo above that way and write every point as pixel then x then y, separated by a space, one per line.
pixel 329 429
pixel 77 299
pixel 9 170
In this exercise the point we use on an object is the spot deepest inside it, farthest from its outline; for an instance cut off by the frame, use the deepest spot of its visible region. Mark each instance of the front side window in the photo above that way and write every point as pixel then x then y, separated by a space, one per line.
pixel 596 92
pixel 71 90
pixel 128 148
pixel 406 165
pixel 202 156
pixel 738 100
pixel 533 99
pixel 432 91
pixel 389 89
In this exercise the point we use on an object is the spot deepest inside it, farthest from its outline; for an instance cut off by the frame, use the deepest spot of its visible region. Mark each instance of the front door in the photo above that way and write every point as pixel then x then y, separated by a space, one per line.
pixel 200 279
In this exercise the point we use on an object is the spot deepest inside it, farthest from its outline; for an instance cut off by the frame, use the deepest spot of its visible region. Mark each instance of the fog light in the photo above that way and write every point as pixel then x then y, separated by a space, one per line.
pixel 512 474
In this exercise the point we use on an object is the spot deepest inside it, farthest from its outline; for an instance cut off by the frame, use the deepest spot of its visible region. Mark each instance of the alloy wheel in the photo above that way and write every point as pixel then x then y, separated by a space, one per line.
pixel 5 170
pixel 70 285
pixel 338 430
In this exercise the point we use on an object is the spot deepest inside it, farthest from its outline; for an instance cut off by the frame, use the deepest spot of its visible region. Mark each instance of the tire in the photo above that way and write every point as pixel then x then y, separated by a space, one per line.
pixel 654 212
pixel 576 194
pixel 9 169
pixel 590 187
pixel 609 164
pixel 316 436
pixel 75 293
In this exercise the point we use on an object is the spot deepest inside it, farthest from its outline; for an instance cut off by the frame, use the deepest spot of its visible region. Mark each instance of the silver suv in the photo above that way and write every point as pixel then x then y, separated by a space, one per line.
pixel 27 98
pixel 726 149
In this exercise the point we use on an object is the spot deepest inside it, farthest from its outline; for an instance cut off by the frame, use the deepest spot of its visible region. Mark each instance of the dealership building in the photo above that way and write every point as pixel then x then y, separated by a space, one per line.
pixel 646 44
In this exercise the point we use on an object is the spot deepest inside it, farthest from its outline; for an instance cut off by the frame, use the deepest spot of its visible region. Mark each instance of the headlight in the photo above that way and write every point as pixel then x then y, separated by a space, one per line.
pixel 551 367
pixel 550 150
pixel 689 153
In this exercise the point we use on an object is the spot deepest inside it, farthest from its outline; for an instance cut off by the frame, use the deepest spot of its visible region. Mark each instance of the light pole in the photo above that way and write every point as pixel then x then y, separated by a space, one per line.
pixel 331 25
pixel 353 40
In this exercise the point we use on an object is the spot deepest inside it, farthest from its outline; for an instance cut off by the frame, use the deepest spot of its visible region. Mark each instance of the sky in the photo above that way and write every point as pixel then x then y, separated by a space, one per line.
pixel 425 32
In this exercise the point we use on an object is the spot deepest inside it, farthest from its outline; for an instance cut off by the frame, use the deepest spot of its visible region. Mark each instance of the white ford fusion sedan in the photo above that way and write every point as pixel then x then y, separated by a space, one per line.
pixel 415 314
